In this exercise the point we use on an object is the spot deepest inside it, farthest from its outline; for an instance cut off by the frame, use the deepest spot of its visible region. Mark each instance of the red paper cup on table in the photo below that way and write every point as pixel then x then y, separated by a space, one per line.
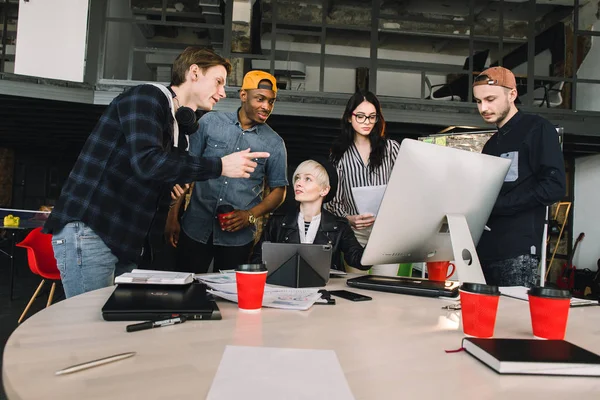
pixel 549 310
pixel 479 305
pixel 223 211
pixel 251 279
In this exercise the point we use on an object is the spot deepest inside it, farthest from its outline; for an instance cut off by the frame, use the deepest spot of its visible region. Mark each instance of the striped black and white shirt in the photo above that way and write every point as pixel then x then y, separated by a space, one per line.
pixel 352 172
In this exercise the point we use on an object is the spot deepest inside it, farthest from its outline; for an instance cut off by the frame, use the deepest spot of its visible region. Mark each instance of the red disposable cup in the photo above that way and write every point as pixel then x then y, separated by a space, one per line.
pixel 251 279
pixel 438 270
pixel 549 310
pixel 479 306
pixel 223 211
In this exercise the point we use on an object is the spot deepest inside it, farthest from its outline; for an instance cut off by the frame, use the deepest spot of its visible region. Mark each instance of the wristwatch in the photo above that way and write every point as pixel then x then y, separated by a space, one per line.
pixel 251 218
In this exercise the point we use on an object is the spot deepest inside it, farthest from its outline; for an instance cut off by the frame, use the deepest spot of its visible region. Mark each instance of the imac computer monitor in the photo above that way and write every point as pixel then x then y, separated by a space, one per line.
pixel 435 207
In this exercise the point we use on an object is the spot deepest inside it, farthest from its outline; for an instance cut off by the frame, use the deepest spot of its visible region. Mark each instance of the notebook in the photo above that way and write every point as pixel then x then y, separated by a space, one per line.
pixel 158 302
pixel 406 285
pixel 533 356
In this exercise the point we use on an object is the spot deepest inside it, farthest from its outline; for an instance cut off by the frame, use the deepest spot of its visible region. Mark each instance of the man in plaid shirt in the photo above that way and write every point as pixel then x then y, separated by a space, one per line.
pixel 117 193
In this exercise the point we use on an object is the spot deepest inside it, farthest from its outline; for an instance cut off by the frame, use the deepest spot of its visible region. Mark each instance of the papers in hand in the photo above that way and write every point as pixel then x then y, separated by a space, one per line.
pixel 152 277
pixel 368 198
pixel 225 286
pixel 520 292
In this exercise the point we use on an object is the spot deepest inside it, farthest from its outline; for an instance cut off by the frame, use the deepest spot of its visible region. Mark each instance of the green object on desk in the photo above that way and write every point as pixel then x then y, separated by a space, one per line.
pixel 405 269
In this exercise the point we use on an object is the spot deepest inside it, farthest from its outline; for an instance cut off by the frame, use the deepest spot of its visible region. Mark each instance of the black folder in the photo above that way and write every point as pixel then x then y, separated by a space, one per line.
pixel 297 265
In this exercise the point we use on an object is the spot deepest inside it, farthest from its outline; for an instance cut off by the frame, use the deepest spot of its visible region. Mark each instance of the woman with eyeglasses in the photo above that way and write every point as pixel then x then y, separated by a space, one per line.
pixel 363 156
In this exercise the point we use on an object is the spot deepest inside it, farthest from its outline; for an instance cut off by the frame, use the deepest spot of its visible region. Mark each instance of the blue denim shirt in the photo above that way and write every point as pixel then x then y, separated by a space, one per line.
pixel 220 133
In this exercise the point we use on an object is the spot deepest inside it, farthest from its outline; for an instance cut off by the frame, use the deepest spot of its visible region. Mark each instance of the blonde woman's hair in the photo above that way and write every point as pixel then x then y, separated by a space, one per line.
pixel 315 169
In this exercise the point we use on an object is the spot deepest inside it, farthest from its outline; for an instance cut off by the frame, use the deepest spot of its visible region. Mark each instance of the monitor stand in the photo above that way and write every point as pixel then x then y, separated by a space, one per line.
pixel 466 260
pixel 296 272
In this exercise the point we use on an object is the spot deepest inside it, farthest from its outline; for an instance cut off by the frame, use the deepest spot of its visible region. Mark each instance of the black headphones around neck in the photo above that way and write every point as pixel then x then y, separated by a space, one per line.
pixel 187 120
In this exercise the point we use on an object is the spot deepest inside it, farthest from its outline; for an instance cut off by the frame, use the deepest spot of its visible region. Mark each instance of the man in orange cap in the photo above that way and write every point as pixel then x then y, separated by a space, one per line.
pixel 509 252
pixel 200 238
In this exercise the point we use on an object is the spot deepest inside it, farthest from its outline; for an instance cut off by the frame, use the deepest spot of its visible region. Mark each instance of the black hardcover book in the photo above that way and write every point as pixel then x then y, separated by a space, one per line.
pixel 533 356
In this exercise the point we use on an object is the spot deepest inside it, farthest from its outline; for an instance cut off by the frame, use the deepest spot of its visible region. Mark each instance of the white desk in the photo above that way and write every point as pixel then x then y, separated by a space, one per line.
pixel 389 348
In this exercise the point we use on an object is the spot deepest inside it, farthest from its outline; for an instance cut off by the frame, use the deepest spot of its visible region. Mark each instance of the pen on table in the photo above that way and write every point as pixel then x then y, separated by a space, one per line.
pixel 94 363
pixel 154 324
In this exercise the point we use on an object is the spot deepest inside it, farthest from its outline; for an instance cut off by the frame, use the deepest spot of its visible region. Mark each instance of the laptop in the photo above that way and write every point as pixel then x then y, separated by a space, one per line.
pixel 158 302
pixel 297 264
pixel 405 285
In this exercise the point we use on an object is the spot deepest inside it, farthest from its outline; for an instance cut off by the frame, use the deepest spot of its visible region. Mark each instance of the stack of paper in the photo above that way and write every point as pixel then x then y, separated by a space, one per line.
pixel 152 277
pixel 225 286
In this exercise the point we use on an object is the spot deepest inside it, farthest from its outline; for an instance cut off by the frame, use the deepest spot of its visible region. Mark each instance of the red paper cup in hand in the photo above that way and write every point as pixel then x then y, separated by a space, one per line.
pixel 549 310
pixel 223 211
pixel 479 305
pixel 251 279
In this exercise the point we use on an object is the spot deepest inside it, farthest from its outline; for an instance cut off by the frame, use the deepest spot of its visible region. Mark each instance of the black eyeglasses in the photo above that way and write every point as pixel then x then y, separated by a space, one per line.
pixel 361 118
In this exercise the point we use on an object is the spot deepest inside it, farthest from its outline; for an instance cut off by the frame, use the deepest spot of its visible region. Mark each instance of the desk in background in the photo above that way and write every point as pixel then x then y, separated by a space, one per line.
pixel 29 219
pixel 391 347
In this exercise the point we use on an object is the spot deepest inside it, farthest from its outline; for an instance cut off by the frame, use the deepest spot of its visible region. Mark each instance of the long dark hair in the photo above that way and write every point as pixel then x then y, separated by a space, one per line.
pixel 376 136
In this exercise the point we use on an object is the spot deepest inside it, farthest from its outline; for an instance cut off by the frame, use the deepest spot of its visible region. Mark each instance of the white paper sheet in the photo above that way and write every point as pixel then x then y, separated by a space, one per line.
pixel 368 198
pixel 266 373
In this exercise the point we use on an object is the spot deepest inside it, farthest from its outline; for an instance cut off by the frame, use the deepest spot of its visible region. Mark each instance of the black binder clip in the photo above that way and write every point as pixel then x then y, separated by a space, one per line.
pixel 325 298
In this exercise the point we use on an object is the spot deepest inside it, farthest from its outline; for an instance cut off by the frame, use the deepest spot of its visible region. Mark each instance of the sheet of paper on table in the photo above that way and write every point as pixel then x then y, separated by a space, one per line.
pixel 266 373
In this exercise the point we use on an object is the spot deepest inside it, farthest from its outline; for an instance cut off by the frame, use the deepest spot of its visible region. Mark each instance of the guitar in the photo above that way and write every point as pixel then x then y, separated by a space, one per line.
pixel 566 279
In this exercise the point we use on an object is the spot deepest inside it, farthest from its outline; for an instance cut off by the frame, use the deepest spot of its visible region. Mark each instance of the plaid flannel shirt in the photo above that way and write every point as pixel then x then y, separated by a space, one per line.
pixel 120 184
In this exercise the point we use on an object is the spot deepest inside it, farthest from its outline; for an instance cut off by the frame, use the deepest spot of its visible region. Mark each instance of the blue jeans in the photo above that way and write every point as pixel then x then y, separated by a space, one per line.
pixel 85 263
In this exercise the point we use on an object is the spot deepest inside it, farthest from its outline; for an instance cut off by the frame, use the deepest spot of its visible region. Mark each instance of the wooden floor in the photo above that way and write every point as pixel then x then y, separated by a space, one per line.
pixel 25 284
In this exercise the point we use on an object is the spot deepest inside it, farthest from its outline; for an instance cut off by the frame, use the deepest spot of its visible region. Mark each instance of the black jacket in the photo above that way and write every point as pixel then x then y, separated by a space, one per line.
pixel 332 230
pixel 536 179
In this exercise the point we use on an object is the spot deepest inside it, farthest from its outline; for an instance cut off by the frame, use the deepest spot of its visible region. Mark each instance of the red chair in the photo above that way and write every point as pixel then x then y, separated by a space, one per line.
pixel 40 256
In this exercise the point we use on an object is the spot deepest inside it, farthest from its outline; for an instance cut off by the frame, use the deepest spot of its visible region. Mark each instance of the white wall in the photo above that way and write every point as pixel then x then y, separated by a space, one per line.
pixel 586 210
pixel 51 39
pixel 586 214
pixel 588 95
